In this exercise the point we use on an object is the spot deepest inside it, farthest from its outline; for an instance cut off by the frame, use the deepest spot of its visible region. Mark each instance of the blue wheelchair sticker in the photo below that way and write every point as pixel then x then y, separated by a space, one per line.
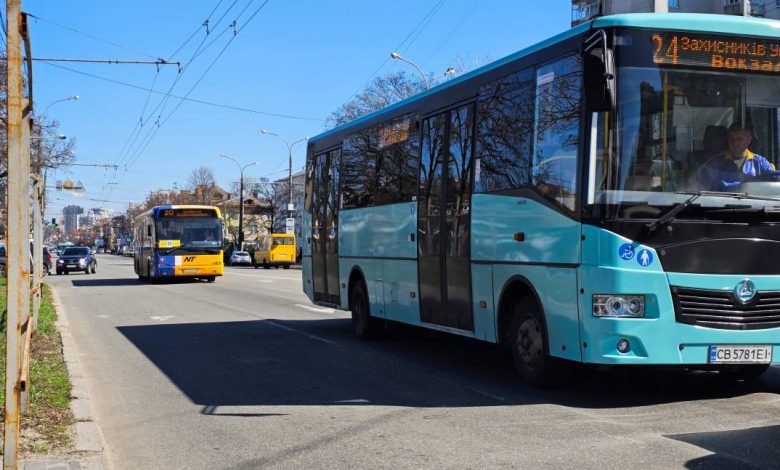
pixel 626 251
pixel 645 258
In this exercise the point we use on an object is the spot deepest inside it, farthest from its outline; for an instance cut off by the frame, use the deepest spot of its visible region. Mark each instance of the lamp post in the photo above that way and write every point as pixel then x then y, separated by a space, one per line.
pixel 240 199
pixel 398 56
pixel 69 98
pixel 289 158
pixel 40 145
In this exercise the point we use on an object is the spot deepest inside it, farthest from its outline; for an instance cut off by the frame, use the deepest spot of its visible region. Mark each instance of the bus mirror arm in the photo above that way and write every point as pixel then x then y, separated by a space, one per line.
pixel 599 72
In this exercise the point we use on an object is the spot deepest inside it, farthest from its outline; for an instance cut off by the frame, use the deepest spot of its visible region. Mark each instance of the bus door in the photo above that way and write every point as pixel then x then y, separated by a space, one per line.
pixel 324 230
pixel 444 219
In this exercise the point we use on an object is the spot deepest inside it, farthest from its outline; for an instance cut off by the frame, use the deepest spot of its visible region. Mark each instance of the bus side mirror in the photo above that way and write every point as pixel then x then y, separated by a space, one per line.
pixel 599 72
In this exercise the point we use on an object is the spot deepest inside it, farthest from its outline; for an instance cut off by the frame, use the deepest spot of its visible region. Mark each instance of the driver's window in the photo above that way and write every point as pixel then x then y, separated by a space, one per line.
pixel 556 129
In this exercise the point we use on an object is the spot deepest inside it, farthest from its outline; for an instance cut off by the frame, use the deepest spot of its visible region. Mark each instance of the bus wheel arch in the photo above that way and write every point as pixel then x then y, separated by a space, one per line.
pixel 523 334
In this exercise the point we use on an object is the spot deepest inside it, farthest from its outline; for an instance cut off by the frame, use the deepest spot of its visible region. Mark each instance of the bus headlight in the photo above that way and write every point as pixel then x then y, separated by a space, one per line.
pixel 613 305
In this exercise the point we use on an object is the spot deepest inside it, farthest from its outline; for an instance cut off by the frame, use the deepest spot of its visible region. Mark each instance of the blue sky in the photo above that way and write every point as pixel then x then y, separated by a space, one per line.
pixel 296 58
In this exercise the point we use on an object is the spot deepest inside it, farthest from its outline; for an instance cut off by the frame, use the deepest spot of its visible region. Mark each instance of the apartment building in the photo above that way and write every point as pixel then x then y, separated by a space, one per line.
pixel 585 10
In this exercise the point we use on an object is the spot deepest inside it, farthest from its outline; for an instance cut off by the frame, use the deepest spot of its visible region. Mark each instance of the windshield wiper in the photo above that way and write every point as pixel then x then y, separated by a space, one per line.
pixel 671 213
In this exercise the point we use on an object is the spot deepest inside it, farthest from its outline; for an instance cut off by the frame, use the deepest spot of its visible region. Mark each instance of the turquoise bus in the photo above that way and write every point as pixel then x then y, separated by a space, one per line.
pixel 178 241
pixel 556 202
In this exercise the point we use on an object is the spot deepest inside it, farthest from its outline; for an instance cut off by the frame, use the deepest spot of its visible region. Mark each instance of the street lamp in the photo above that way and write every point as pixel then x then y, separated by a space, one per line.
pixel 69 98
pixel 289 157
pixel 240 199
pixel 398 56
pixel 50 137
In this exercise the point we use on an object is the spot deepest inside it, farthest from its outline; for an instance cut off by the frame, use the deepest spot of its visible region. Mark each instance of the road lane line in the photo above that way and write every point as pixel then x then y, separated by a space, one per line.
pixel 228 273
pixel 308 335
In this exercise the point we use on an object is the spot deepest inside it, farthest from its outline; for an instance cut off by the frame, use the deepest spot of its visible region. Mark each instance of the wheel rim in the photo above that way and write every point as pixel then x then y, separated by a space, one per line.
pixel 529 343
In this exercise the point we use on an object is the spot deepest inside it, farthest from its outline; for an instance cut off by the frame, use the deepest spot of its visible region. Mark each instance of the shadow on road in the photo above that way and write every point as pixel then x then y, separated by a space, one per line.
pixel 130 281
pixel 751 448
pixel 318 362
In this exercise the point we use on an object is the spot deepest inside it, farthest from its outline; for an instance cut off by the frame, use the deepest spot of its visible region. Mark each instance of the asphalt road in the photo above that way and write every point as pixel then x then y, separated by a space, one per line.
pixel 246 373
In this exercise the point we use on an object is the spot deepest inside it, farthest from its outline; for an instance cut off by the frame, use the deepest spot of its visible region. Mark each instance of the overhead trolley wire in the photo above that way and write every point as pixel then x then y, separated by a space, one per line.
pixel 91 36
pixel 203 75
pixel 132 161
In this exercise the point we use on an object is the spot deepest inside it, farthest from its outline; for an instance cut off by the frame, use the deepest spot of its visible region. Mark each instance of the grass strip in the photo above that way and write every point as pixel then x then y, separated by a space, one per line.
pixel 47 420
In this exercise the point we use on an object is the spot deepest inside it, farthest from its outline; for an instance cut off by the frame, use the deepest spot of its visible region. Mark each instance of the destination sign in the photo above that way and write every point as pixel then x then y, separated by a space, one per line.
pixel 177 213
pixel 716 52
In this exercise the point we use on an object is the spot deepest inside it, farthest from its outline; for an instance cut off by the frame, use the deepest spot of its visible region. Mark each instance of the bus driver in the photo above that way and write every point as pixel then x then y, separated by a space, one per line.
pixel 736 164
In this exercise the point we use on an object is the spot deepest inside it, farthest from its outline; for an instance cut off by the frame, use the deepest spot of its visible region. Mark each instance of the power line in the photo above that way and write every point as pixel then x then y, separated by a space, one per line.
pixel 163 103
pixel 432 12
pixel 91 36
pixel 203 75
pixel 193 100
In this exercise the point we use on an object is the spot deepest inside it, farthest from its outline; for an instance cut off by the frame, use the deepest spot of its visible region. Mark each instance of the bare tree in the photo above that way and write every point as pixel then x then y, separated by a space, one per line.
pixel 381 92
pixel 202 184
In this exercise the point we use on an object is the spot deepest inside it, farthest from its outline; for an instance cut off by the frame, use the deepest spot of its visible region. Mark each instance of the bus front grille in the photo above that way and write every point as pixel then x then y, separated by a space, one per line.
pixel 719 309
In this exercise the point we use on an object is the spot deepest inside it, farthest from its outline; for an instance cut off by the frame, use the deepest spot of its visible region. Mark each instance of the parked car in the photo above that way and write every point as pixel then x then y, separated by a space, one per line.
pixel 46 260
pixel 77 258
pixel 240 257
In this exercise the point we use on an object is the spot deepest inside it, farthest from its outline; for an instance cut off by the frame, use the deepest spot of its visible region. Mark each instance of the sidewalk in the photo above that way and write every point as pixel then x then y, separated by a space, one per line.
pixel 87 434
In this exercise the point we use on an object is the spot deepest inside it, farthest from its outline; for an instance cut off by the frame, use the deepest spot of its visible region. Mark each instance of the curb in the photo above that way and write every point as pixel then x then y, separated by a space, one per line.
pixel 89 439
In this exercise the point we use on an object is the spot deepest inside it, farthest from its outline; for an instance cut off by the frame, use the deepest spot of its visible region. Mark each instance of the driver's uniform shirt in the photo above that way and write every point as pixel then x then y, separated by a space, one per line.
pixel 726 171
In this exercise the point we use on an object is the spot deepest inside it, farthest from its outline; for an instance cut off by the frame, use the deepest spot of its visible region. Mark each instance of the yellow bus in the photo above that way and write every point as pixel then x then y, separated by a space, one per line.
pixel 277 249
pixel 178 241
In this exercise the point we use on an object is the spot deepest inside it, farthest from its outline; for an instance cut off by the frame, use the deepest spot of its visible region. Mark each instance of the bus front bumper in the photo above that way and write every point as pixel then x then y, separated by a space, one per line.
pixel 660 338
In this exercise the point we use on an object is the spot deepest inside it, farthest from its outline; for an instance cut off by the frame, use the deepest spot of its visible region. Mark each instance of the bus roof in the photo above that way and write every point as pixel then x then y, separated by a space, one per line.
pixel 727 24
pixel 155 211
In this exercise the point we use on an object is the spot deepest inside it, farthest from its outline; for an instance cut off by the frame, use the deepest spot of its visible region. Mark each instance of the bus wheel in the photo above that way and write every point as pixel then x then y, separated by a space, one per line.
pixel 743 372
pixel 211 278
pixel 364 325
pixel 286 266
pixel 528 343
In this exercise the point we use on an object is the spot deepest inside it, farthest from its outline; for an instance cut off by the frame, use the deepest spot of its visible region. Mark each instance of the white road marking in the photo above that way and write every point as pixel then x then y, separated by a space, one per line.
pixel 163 317
pixel 316 309
pixel 103 316
pixel 308 335
pixel 261 274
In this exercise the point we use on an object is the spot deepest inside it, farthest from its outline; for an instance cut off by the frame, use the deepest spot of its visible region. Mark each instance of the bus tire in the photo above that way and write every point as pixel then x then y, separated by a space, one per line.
pixel 529 347
pixel 286 266
pixel 211 278
pixel 364 325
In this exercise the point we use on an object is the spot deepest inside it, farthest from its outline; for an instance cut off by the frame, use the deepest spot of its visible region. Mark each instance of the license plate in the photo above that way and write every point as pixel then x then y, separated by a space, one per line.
pixel 753 354
pixel 189 270
pixel 71 265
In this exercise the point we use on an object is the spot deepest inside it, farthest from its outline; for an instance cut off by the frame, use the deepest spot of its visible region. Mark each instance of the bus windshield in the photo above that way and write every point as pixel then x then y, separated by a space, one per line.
pixel 190 232
pixel 682 126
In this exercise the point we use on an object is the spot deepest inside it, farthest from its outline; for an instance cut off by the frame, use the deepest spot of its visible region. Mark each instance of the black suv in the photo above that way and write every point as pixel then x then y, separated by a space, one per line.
pixel 76 258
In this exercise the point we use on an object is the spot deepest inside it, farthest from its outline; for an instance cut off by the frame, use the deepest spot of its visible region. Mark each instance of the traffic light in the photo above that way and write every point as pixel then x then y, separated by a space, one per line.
pixel 54 222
